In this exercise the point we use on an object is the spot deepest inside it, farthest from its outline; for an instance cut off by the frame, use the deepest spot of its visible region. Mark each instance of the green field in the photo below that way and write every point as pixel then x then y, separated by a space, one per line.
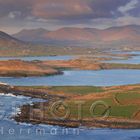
pixel 127 110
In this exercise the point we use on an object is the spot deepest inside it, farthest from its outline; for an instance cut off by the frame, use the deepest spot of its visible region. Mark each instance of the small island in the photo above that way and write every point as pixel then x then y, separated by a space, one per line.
pixel 20 68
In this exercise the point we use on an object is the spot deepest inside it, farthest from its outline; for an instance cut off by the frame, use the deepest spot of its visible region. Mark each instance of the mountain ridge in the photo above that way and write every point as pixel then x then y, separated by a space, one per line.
pixel 112 34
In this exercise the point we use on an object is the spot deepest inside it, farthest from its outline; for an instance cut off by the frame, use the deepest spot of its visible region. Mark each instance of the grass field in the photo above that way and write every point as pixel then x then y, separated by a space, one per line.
pixel 116 102
pixel 71 89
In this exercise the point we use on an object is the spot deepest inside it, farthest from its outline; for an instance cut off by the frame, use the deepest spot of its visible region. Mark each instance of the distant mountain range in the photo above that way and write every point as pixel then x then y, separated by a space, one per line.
pixel 87 36
pixel 40 41
pixel 114 37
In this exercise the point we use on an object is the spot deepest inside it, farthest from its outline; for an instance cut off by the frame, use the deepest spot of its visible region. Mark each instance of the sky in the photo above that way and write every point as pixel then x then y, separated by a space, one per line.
pixel 16 15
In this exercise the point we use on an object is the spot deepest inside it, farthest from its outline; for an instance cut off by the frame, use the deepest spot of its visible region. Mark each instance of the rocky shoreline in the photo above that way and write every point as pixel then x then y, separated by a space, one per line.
pixel 24 116
pixel 92 123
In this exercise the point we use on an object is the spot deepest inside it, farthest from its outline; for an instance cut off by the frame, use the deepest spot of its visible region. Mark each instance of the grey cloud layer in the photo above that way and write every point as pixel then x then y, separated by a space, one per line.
pixel 61 9
pixel 18 14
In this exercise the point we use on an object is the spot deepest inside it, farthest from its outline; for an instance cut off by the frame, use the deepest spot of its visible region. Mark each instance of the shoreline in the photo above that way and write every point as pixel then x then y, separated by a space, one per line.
pixel 110 122
pixel 19 68
pixel 90 124
pixel 54 67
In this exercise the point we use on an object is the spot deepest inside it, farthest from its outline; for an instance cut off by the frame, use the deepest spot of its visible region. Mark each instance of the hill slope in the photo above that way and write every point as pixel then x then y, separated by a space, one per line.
pixel 31 35
pixel 125 34
pixel 9 40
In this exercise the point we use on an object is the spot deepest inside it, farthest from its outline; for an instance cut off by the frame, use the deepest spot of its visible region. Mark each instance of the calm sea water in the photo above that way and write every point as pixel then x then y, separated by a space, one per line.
pixel 95 78
pixel 67 57
pixel 133 60
pixel 69 78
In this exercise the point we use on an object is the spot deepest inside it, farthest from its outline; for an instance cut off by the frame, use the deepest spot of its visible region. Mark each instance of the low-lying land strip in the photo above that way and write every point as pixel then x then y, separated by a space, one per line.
pixel 84 64
pixel 73 106
pixel 16 68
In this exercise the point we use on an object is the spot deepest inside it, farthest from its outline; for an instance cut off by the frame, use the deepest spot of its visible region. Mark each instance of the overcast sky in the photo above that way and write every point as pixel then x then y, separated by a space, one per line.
pixel 16 15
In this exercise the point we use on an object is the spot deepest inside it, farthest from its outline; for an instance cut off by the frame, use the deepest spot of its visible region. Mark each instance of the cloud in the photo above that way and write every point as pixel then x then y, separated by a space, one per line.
pixel 17 14
pixel 22 6
pixel 62 9
pixel 76 9
pixel 14 14
pixel 128 7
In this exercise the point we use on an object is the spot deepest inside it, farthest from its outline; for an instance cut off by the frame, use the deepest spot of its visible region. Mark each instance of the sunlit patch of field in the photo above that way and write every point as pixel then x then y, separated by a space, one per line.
pixel 121 102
